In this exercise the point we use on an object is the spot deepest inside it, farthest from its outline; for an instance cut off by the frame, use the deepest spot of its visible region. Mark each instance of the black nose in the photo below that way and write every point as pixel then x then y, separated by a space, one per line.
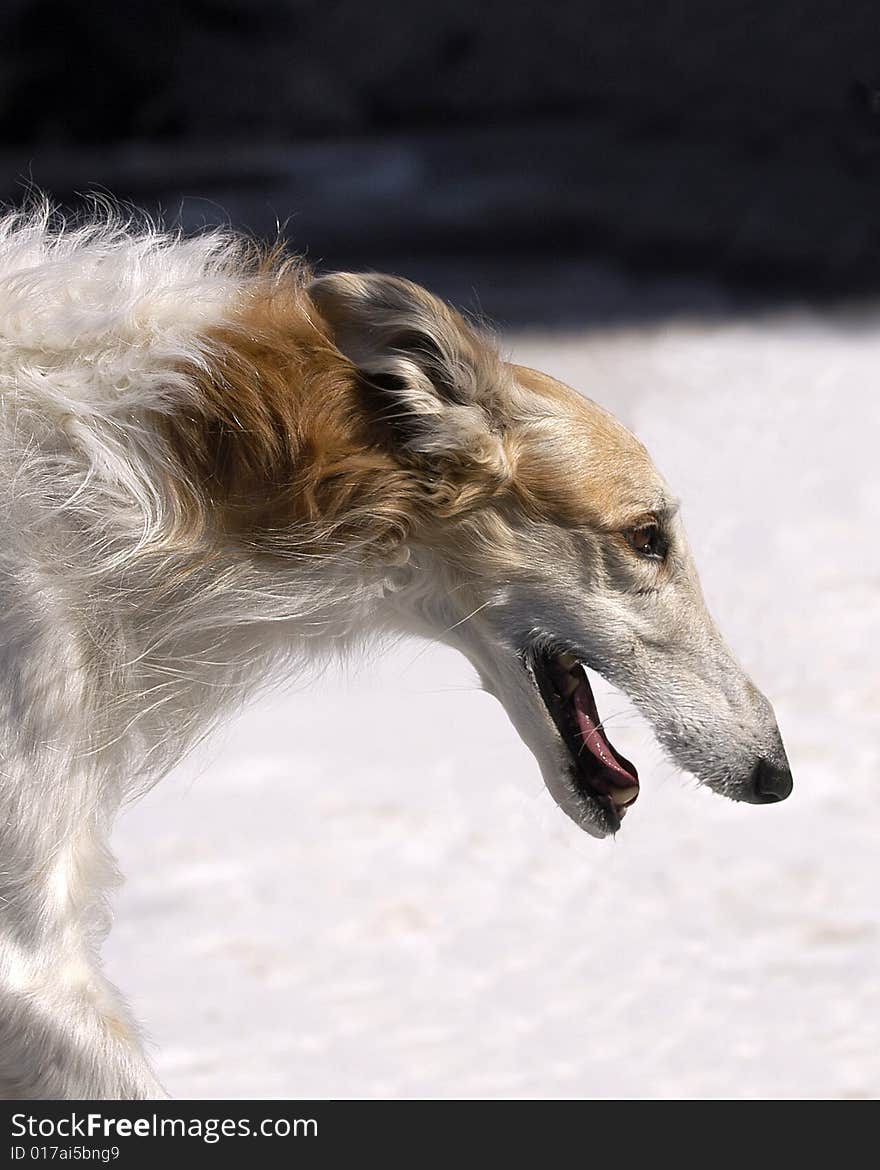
pixel 770 782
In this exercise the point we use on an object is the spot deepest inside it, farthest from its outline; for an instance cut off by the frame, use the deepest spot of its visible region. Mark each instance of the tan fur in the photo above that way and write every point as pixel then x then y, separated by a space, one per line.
pixel 275 437
pixel 279 443
pixel 575 464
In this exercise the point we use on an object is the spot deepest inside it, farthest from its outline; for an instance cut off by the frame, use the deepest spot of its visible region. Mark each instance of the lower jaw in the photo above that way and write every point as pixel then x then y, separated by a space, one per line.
pixel 591 811
pixel 599 811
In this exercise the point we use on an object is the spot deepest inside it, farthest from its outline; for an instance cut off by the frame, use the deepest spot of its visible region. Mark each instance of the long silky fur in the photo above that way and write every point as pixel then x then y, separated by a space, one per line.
pixel 136 606
pixel 219 470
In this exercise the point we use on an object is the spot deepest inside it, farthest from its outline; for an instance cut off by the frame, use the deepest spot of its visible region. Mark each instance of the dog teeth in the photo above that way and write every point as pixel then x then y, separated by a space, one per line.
pixel 624 796
pixel 568 671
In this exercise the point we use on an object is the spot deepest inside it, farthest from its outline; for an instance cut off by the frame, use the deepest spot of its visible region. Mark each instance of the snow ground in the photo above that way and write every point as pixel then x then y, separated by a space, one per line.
pixel 398 910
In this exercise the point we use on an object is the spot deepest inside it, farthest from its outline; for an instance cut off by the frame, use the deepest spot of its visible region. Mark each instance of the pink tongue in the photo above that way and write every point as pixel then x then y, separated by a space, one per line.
pixel 594 741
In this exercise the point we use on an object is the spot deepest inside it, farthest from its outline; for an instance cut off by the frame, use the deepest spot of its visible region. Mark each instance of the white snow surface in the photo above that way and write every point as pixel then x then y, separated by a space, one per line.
pixel 362 889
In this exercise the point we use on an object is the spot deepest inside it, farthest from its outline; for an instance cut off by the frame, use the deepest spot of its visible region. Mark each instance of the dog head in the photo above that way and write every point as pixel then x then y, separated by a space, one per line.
pixel 545 545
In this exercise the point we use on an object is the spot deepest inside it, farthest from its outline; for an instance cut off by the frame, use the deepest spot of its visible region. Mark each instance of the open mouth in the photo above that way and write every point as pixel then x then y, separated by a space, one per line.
pixel 599 772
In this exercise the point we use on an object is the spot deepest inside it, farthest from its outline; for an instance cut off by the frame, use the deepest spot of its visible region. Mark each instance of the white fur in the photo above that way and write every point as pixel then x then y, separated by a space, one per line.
pixel 113 661
pixel 119 649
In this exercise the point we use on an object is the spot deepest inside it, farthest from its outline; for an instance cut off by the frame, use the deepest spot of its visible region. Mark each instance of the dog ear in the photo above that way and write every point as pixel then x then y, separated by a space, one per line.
pixel 430 379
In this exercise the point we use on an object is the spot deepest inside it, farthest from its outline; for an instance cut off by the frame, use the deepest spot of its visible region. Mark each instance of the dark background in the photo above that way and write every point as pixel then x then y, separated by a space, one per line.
pixel 565 161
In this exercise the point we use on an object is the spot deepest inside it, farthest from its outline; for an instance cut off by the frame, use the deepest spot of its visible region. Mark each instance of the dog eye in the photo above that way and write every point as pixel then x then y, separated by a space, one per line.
pixel 648 540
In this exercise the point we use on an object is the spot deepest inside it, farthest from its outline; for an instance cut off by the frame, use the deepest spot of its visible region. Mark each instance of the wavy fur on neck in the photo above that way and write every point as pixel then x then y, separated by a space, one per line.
pixel 197 494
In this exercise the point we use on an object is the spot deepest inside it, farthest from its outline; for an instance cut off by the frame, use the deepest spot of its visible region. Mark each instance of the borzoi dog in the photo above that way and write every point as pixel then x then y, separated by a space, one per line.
pixel 218 469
